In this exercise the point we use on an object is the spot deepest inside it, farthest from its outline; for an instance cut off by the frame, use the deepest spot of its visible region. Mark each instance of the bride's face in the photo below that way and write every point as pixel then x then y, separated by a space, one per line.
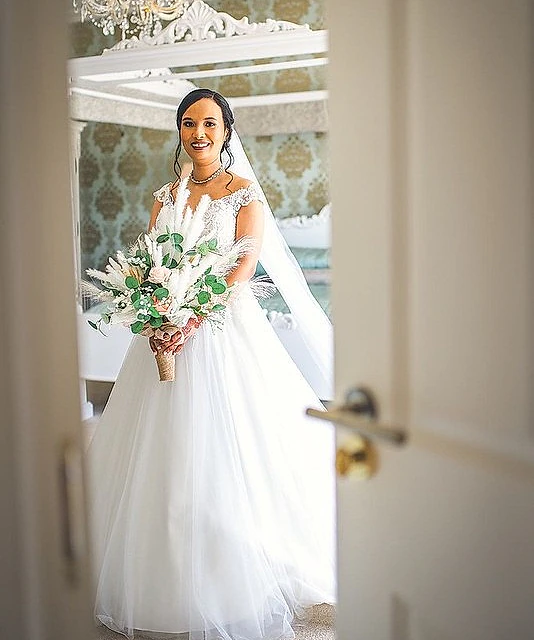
pixel 202 131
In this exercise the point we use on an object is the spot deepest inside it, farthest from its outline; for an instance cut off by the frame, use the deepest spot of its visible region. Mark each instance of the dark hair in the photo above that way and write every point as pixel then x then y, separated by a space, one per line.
pixel 228 119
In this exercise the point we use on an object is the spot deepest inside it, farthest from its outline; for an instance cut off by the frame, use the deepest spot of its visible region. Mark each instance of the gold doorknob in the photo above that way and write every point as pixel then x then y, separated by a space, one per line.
pixel 356 458
pixel 359 413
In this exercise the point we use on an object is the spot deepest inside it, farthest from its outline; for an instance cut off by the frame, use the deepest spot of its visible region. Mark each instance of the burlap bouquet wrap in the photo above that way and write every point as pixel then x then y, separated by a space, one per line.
pixel 166 361
pixel 166 366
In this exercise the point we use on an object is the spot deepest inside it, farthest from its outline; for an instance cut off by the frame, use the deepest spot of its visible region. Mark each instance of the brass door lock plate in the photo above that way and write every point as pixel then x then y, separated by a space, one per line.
pixel 356 458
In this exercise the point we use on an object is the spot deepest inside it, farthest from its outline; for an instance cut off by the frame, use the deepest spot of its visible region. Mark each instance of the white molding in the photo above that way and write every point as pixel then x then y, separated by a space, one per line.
pixel 129 77
pixel 236 103
pixel 219 50
pixel 200 22
pixel 250 121
pixel 278 98
pixel 117 97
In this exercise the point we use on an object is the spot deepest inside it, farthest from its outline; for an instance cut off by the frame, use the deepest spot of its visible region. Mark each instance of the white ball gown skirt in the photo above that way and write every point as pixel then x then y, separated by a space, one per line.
pixel 212 497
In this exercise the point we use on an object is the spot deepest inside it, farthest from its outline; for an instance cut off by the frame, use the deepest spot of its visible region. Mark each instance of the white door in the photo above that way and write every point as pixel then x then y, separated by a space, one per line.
pixel 432 162
pixel 44 581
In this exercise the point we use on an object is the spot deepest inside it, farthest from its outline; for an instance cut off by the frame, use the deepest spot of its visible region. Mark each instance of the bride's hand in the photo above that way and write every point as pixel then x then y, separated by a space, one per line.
pixel 155 344
pixel 177 342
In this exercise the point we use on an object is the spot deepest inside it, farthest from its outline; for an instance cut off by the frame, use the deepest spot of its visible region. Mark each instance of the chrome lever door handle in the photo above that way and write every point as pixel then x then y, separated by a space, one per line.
pixel 360 402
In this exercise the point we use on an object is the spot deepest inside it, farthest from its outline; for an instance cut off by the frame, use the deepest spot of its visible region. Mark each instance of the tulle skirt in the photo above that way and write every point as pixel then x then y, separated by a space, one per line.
pixel 212 497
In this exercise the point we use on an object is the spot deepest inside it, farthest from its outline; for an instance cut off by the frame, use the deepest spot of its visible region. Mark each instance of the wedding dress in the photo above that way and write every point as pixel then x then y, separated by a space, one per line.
pixel 212 496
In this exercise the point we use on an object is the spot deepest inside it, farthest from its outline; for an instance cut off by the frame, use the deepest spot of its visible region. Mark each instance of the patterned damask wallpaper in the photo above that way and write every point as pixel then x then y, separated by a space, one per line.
pixel 121 166
pixel 86 40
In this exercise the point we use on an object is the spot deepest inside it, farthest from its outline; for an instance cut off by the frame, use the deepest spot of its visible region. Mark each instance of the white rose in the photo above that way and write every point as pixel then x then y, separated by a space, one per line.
pixel 158 275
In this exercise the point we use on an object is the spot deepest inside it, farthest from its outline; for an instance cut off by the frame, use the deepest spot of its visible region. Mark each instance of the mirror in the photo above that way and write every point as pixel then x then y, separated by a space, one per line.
pixel 123 128
pixel 279 103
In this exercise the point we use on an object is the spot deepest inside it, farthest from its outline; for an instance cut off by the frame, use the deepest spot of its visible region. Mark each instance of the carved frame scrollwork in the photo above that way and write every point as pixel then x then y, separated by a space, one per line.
pixel 200 22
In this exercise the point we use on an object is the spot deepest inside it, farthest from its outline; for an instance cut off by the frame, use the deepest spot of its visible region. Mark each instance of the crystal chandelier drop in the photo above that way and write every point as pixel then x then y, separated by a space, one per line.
pixel 132 17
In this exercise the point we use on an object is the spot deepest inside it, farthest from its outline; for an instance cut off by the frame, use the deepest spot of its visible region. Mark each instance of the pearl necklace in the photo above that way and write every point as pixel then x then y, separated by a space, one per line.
pixel 213 175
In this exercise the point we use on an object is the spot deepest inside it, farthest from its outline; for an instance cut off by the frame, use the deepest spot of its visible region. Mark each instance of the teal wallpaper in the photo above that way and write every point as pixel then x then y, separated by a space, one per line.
pixel 121 166
pixel 86 40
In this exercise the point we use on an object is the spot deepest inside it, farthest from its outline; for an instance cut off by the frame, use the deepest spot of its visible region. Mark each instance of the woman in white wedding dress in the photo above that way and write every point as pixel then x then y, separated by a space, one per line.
pixel 212 496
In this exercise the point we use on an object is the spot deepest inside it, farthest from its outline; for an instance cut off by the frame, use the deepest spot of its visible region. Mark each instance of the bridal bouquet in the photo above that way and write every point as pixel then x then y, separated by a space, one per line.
pixel 169 276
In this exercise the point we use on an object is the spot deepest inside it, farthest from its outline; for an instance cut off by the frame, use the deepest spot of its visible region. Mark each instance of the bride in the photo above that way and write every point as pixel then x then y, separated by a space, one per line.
pixel 212 496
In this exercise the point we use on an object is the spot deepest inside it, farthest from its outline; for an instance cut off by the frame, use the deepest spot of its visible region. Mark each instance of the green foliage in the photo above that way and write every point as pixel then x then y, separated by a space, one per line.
pixel 177 240
pixel 161 293
pixel 137 327
pixel 203 249
pixel 203 297
pixel 218 288
pixel 131 282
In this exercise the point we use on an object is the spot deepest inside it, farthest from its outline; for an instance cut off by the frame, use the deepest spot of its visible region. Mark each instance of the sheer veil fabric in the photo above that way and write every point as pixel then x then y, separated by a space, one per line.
pixel 212 497
pixel 311 321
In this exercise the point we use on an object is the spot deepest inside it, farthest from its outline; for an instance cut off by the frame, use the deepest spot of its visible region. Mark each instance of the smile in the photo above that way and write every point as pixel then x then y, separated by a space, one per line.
pixel 200 145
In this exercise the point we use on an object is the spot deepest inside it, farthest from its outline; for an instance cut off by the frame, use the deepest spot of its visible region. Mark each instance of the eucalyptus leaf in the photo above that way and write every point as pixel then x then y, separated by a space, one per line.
pixel 218 307
pixel 131 282
pixel 203 297
pixel 164 237
pixel 161 293
pixel 218 288
pixel 156 322
pixel 137 327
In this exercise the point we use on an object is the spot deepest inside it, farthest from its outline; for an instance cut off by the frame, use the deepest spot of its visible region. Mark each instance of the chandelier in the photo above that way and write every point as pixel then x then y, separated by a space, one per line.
pixel 132 17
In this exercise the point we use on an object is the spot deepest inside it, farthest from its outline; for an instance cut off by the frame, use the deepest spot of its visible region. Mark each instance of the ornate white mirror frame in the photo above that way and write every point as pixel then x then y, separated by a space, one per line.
pixel 142 80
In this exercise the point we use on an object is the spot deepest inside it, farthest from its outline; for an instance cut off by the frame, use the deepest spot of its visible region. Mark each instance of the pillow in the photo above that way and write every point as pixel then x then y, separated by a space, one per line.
pixel 312 257
pixel 307 257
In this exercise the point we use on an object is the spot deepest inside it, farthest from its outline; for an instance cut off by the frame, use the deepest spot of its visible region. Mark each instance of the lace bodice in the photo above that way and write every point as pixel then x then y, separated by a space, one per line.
pixel 222 212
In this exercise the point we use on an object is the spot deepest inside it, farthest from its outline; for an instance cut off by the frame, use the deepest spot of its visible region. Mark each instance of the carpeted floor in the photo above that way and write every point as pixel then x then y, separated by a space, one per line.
pixel 319 627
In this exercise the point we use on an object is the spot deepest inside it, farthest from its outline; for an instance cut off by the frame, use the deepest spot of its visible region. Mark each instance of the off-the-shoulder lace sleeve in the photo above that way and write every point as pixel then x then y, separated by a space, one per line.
pixel 246 195
pixel 163 194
